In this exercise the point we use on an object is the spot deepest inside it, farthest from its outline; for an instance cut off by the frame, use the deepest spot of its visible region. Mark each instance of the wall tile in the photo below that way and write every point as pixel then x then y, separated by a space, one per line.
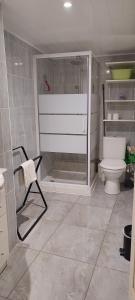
pixel 6 134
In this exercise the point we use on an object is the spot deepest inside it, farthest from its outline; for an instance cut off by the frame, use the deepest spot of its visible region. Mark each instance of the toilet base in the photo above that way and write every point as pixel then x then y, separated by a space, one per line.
pixel 112 187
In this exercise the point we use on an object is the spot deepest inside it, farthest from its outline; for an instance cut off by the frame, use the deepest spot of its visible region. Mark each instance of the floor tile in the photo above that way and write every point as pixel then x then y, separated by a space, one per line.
pixel 40 234
pixel 89 216
pixel 119 219
pixel 98 199
pixel 24 223
pixel 124 201
pixel 107 284
pixel 32 210
pixel 18 263
pixel 61 197
pixel 51 277
pixel 57 210
pixel 76 242
pixel 110 256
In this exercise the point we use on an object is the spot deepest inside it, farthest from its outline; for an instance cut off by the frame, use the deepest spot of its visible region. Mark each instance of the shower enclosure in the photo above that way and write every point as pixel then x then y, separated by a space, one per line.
pixel 63 95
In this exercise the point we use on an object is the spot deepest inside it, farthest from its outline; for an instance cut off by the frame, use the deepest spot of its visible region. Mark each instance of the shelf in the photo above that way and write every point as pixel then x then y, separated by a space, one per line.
pixel 120 101
pixel 118 120
pixel 115 63
pixel 120 81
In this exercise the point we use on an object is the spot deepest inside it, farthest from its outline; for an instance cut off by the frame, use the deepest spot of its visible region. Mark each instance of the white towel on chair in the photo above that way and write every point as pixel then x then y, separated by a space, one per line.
pixel 29 172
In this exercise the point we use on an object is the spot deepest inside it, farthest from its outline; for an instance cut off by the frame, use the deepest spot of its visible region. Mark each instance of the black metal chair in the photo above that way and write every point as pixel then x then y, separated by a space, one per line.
pixel 39 158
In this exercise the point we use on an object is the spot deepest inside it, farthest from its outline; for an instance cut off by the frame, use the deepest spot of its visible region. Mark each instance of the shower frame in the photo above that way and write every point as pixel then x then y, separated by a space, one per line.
pixel 55 186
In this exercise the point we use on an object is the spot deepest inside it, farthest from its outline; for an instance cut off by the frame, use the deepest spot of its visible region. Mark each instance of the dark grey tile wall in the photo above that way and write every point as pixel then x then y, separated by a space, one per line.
pixel 6 158
pixel 17 117
pixel 19 58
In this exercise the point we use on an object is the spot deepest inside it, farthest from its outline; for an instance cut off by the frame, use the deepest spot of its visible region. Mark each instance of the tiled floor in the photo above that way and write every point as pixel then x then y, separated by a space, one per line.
pixel 73 253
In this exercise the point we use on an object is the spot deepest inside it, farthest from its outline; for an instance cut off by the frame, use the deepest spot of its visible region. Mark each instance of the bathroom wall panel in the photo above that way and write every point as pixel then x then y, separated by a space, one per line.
pixel 66 124
pixel 63 143
pixel 63 104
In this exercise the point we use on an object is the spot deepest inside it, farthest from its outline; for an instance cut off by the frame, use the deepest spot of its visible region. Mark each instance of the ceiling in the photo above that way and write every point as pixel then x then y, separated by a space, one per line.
pixel 103 26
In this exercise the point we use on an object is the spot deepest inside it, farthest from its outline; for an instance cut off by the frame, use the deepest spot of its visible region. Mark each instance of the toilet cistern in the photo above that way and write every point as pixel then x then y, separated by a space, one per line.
pixel 113 165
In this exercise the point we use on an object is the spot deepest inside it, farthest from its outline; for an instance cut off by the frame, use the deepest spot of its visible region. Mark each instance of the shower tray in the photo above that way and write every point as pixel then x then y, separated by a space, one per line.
pixel 62 176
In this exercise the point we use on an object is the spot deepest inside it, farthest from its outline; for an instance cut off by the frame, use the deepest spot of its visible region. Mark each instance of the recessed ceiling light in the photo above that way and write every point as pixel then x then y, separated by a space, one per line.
pixel 67 4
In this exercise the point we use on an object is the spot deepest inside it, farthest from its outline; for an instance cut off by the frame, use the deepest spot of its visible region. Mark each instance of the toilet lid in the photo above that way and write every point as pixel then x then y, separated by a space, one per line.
pixel 113 164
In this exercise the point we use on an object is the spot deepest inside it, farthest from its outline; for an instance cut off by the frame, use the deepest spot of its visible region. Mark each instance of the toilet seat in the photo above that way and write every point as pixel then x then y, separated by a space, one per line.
pixel 113 164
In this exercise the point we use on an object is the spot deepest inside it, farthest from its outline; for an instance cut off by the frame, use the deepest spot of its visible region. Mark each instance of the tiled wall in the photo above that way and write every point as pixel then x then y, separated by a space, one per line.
pixel 94 130
pixel 126 111
pixel 19 57
pixel 6 159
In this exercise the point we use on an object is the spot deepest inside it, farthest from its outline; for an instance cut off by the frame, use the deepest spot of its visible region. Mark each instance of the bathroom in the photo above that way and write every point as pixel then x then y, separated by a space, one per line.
pixel 58 99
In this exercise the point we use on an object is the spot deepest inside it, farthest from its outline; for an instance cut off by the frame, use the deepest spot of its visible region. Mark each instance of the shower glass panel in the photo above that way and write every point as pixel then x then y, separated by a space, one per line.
pixel 62 87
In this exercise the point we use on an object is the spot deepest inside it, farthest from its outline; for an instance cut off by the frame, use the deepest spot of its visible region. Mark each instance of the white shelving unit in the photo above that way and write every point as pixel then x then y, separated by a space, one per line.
pixel 118 105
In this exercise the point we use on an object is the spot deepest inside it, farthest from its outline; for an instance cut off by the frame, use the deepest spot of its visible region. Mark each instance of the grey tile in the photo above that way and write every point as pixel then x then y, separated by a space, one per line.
pixel 124 201
pixel 1 135
pixel 74 242
pixel 8 164
pixel 98 199
pixel 19 261
pixel 107 284
pixel 118 220
pixel 3 75
pixel 62 197
pixel 52 277
pixel 3 98
pixel 5 122
pixel 110 255
pixel 89 216
pixel 40 234
pixel 11 218
pixel 32 210
pixel 57 210
pixel 122 212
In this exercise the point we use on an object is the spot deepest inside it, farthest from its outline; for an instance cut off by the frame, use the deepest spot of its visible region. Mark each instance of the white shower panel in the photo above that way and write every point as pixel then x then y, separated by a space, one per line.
pixel 63 104
pixel 63 143
pixel 66 124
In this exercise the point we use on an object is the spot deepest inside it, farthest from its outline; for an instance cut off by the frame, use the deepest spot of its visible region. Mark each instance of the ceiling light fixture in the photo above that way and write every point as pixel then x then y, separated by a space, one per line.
pixel 67 4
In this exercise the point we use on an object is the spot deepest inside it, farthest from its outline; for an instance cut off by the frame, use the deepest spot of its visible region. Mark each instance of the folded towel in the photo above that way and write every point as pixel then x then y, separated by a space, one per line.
pixel 29 172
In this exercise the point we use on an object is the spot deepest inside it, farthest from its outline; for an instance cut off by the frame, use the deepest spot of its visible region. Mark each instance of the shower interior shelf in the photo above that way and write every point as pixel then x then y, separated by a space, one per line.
pixel 118 120
pixel 119 101
pixel 115 63
pixel 120 81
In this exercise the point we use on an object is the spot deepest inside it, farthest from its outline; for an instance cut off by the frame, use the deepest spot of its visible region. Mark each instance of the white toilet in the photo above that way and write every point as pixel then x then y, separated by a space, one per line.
pixel 113 165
